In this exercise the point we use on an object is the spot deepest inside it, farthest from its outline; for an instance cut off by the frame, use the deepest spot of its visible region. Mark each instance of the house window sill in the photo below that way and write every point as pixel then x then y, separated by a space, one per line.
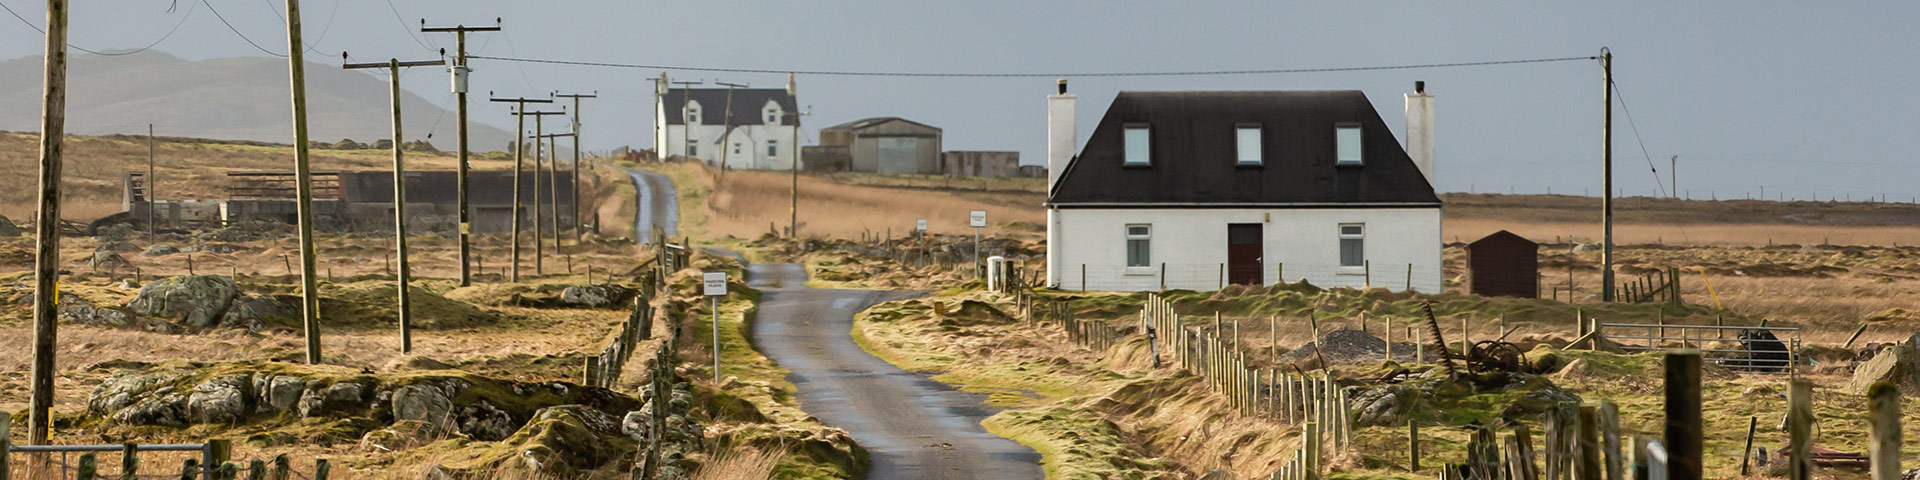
pixel 1138 272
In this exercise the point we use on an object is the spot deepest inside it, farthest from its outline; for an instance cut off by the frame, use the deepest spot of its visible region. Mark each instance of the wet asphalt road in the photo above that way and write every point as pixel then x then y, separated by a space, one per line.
pixel 913 427
pixel 655 204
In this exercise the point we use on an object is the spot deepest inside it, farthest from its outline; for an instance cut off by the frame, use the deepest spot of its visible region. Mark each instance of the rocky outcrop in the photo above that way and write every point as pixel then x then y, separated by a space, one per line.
pixel 118 247
pixel 7 228
pixel 595 296
pixel 256 313
pixel 1898 364
pixel 160 250
pixel 109 261
pixel 198 300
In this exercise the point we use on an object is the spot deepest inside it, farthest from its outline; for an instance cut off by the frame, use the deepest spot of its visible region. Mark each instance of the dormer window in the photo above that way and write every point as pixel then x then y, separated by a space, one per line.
pixel 1138 151
pixel 1247 144
pixel 773 116
pixel 1346 139
pixel 693 114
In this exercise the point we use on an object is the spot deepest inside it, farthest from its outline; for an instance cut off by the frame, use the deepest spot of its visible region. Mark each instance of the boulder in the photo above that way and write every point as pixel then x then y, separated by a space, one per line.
pixel 255 313
pixel 1898 364
pixel 485 422
pixel 198 300
pixel 160 250
pixel 117 246
pixel 277 393
pixel 423 403
pixel 7 228
pixel 595 296
pixel 79 310
pixel 336 398
pixel 220 248
pixel 220 400
pixel 108 260
pixel 564 440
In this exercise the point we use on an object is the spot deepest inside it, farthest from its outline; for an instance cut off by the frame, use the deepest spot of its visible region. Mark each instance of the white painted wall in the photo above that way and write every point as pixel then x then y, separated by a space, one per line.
pixel 752 133
pixel 1192 243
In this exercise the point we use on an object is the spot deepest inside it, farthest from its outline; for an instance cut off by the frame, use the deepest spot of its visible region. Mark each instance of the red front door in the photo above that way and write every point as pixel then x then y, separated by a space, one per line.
pixel 1244 253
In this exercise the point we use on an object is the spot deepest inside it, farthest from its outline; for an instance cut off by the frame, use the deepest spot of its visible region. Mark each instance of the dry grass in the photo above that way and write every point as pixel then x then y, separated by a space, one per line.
pixel 1691 222
pixel 1469 229
pixel 739 463
pixel 744 204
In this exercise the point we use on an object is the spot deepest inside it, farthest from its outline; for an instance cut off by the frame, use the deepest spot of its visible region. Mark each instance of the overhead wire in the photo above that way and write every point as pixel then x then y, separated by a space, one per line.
pixel 236 31
pixel 323 30
pixel 407 28
pixel 170 32
pixel 1615 85
pixel 517 59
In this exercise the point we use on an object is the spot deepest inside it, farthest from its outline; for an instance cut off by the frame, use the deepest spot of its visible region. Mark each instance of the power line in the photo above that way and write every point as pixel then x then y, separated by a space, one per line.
pixel 176 28
pixel 323 30
pixel 407 28
pixel 516 53
pixel 236 31
pixel 1615 85
pixel 1030 74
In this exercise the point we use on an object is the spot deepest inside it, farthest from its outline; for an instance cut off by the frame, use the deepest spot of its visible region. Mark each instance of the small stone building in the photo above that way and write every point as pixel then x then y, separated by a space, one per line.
pixel 1503 265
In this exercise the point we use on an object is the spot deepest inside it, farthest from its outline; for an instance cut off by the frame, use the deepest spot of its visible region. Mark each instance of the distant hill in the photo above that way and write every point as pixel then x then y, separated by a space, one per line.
pixel 230 98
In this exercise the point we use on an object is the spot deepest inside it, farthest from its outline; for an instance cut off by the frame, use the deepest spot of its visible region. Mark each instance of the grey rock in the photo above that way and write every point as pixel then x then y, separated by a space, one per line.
pixel 638 424
pixel 254 313
pixel 7 228
pixel 595 296
pixel 126 388
pixel 339 397
pixel 220 400
pixel 117 246
pixel 423 403
pixel 108 260
pixel 281 393
pixel 198 300
pixel 160 250
pixel 220 248
pixel 79 310
pixel 484 422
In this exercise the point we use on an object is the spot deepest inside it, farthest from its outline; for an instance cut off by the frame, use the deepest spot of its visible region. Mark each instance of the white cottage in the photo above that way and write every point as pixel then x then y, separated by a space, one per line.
pixel 758 135
pixel 1197 190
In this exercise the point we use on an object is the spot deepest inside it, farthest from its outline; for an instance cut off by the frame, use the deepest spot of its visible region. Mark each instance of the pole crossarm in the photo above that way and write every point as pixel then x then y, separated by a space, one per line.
pixel 459 72
pixel 415 63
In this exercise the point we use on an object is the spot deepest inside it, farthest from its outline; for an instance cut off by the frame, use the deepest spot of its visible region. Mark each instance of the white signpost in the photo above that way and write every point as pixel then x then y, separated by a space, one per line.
pixel 714 286
pixel 977 219
pixel 921 225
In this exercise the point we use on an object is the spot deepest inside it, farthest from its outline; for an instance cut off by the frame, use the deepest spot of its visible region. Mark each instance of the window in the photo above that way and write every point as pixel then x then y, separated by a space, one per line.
pixel 1137 149
pixel 693 150
pixel 773 147
pixel 1139 243
pixel 693 115
pixel 1347 142
pixel 1247 142
pixel 736 148
pixel 773 116
pixel 1353 245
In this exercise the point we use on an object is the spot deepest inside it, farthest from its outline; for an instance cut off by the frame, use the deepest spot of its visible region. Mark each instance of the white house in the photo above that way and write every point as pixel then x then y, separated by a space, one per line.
pixel 758 135
pixel 1196 190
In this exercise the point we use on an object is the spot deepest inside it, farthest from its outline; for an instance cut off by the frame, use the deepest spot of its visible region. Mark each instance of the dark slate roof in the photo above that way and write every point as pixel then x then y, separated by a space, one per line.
pixel 713 103
pixel 1194 160
pixel 874 121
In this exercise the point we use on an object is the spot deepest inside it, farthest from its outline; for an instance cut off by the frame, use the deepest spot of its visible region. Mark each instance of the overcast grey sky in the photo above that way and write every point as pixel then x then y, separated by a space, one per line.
pixel 1803 97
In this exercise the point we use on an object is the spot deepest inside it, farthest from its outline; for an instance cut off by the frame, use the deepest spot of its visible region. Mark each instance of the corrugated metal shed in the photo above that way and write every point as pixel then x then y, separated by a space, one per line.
pixel 1503 265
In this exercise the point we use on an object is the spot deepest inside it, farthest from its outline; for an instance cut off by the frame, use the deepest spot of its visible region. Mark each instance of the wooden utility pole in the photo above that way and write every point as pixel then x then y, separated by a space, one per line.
pixel 686 127
pixel 726 124
pixel 1606 160
pixel 1883 427
pixel 574 121
pixel 402 300
pixel 793 211
pixel 147 186
pixel 539 251
pixel 459 71
pixel 1673 173
pixel 659 122
pixel 553 186
pixel 309 287
pixel 46 263
pixel 519 154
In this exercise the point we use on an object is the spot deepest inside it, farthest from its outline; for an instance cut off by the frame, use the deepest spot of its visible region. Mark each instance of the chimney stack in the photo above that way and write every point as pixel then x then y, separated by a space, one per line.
pixel 1060 134
pixel 1420 130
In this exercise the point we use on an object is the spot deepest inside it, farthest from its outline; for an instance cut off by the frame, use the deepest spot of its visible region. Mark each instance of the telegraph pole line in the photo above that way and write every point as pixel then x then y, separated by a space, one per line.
pixel 1673 173
pixel 659 140
pixel 539 251
pixel 459 72
pixel 575 133
pixel 1606 160
pixel 726 125
pixel 309 286
pixel 686 127
pixel 46 280
pixel 404 280
pixel 519 153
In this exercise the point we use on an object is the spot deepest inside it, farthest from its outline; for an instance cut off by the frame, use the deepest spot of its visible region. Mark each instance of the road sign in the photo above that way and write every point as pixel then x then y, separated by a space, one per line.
pixel 921 225
pixel 714 284
pixel 977 219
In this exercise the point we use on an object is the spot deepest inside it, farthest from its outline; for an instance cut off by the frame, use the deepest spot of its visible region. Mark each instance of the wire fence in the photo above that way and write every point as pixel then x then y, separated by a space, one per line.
pixel 130 461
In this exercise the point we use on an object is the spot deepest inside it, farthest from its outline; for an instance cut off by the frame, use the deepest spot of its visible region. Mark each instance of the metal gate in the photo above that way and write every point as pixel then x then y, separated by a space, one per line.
pixel 1746 349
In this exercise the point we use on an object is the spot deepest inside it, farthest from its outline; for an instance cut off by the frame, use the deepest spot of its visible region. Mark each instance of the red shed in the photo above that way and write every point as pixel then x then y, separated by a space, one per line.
pixel 1503 265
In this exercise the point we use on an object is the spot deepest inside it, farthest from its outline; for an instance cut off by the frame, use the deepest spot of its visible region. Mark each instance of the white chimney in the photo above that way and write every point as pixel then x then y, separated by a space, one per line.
pixel 1420 129
pixel 1060 133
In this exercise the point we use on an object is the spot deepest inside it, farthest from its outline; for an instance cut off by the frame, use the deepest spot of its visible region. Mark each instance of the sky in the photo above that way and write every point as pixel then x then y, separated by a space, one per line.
pixel 1801 98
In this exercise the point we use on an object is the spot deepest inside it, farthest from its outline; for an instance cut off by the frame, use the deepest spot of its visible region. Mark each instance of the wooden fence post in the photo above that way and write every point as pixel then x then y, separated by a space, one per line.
pixel 257 469
pixel 1683 423
pixel 282 467
pixel 1746 454
pixel 228 471
pixel 321 468
pixel 190 469
pixel 1413 445
pixel 89 466
pixel 129 462
pixel 1610 440
pixel 6 444
pixel 1588 449
pixel 1883 407
pixel 1799 430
